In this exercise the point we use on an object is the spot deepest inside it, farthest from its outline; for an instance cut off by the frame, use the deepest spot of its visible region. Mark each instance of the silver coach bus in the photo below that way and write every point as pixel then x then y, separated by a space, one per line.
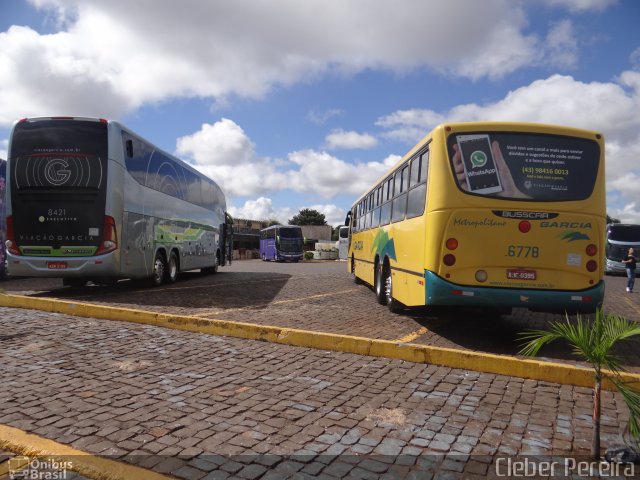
pixel 620 237
pixel 88 199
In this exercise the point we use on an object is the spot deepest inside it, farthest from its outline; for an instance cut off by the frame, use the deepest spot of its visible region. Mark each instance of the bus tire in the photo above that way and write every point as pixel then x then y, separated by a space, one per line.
pixel 356 279
pixel 214 269
pixel 171 272
pixel 379 283
pixel 157 272
pixel 394 305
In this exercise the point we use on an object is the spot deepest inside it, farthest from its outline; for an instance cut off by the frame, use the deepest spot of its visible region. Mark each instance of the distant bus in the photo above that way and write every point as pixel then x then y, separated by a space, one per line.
pixel 3 257
pixel 281 242
pixel 487 214
pixel 343 242
pixel 620 237
pixel 88 199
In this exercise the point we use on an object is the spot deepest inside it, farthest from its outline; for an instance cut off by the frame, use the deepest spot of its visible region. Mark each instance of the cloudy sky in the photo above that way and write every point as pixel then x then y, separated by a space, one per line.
pixel 290 104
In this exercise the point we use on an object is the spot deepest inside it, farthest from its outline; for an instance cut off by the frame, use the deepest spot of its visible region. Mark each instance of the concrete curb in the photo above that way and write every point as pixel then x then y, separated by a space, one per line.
pixel 86 464
pixel 464 359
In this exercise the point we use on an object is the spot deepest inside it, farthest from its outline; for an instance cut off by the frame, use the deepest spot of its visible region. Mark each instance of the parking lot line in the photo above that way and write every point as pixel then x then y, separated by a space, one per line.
pixel 466 359
pixel 632 305
pixel 412 336
pixel 86 464
pixel 278 302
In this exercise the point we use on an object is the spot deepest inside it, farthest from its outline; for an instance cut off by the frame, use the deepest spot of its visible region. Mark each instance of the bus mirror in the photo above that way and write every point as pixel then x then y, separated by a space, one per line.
pixel 347 220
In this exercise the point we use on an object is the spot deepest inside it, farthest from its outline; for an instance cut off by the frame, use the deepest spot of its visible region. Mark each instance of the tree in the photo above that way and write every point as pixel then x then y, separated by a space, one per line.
pixel 308 216
pixel 272 222
pixel 612 220
pixel 594 342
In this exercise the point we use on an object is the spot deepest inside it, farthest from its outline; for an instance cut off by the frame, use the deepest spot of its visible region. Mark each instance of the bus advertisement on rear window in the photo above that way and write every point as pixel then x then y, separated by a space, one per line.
pixel 524 166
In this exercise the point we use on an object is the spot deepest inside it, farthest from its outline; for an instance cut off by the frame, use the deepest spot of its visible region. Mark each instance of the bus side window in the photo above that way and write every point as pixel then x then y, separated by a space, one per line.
pixel 129 144
pixel 399 208
pixel 418 194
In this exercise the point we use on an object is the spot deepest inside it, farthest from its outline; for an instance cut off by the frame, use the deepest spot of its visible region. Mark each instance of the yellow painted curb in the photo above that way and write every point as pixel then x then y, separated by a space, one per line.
pixel 465 359
pixel 92 466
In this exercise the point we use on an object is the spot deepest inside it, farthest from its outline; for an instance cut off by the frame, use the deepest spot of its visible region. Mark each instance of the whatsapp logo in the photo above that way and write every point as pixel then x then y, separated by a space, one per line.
pixel 478 159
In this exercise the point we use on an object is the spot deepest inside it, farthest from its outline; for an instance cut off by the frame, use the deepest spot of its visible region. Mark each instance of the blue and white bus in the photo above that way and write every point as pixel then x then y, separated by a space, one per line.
pixel 281 243
pixel 88 199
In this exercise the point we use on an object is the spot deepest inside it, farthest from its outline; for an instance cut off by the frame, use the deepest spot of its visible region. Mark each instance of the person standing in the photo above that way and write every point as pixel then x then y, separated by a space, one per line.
pixel 630 264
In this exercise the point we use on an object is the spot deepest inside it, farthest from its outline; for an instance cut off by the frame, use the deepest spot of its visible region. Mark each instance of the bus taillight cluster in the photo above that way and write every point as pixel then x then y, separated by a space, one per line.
pixel 449 259
pixel 591 250
pixel 109 238
pixel 11 241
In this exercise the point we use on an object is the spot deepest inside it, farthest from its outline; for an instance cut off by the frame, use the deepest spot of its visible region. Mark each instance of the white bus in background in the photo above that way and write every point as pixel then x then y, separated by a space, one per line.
pixel 343 242
pixel 88 199
pixel 620 237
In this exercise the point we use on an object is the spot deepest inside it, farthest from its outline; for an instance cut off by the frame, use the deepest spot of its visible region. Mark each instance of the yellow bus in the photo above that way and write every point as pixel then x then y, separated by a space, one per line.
pixel 487 214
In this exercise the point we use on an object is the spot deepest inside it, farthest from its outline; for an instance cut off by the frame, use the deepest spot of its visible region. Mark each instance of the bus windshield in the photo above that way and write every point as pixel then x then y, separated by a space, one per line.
pixel 524 166
pixel 287 232
pixel 624 233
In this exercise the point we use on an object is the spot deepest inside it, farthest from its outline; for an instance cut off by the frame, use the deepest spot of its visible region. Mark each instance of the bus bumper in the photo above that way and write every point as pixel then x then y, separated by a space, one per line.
pixel 441 292
pixel 63 267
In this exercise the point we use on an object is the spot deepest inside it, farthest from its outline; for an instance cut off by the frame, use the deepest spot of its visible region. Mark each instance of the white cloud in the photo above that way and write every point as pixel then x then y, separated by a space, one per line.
pixel 562 45
pixel 350 140
pixel 110 58
pixel 328 176
pixel 4 149
pixel 261 209
pixel 610 108
pixel 634 59
pixel 581 5
pixel 223 143
pixel 323 116
pixel 333 214
pixel 225 153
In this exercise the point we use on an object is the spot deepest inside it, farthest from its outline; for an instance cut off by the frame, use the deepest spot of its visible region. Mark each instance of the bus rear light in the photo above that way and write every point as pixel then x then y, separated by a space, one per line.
pixel 591 250
pixel 481 276
pixel 524 226
pixel 449 260
pixel 109 238
pixel 592 266
pixel 452 244
pixel 10 243
pixel 463 293
pixel 580 298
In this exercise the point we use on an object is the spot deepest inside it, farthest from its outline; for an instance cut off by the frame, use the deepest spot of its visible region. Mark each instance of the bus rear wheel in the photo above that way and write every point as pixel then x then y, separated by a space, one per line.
pixel 159 267
pixel 356 279
pixel 171 272
pixel 378 284
pixel 394 305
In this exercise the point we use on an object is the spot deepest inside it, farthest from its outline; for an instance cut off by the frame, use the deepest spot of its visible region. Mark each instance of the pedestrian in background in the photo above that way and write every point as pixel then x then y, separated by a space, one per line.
pixel 630 264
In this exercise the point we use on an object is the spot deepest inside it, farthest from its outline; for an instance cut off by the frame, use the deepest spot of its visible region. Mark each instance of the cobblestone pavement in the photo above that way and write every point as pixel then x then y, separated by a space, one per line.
pixel 323 297
pixel 198 406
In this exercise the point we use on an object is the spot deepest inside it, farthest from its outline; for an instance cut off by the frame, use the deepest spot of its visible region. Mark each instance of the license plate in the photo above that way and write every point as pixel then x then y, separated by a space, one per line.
pixel 57 265
pixel 518 274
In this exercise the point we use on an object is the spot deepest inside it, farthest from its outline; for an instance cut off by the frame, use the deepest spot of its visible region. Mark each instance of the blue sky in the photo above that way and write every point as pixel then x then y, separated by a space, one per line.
pixel 292 104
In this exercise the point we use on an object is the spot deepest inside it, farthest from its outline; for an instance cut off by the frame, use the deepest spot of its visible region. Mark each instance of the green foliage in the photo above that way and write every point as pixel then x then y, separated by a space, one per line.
pixel 308 255
pixel 308 216
pixel 594 342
